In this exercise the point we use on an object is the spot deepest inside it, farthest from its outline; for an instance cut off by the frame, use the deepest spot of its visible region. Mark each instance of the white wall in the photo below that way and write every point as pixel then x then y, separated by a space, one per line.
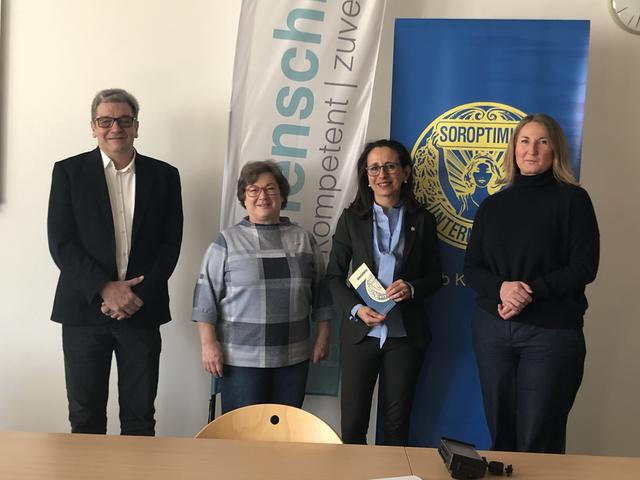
pixel 177 58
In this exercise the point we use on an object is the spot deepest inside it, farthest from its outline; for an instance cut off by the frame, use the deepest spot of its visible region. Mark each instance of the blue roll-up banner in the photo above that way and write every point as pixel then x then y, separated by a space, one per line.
pixel 459 89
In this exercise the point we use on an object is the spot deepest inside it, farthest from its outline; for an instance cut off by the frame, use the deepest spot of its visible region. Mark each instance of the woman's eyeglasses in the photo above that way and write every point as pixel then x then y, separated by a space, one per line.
pixel 254 190
pixel 390 168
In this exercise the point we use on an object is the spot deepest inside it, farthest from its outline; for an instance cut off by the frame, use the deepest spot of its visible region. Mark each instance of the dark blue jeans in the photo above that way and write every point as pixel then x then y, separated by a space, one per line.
pixel 242 386
pixel 529 376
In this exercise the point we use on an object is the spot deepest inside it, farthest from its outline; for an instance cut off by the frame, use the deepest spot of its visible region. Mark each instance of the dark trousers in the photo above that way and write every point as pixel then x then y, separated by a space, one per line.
pixel 87 360
pixel 398 363
pixel 243 386
pixel 529 376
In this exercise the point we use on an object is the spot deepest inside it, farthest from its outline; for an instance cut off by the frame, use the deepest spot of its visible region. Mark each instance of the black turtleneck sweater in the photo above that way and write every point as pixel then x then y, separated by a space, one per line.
pixel 544 233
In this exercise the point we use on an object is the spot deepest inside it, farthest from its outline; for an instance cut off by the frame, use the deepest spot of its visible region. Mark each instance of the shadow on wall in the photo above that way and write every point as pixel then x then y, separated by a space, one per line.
pixel 4 50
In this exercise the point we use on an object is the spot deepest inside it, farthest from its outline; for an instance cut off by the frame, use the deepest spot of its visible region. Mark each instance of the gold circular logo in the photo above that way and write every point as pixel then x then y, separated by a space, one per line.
pixel 458 162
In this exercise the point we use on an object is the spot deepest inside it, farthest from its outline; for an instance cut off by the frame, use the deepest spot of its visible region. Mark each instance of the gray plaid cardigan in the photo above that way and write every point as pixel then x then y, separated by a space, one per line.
pixel 260 285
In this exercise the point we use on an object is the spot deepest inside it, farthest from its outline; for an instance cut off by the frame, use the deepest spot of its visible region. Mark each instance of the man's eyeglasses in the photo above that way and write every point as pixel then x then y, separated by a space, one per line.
pixel 125 121
pixel 253 191
pixel 390 168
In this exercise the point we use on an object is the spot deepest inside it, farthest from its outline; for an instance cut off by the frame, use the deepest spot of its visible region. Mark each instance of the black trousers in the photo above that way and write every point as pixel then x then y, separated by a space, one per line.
pixel 88 351
pixel 398 363
pixel 529 376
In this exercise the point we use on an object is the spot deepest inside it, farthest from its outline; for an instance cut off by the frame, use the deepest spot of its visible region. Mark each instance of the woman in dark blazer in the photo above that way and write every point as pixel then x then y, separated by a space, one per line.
pixel 386 228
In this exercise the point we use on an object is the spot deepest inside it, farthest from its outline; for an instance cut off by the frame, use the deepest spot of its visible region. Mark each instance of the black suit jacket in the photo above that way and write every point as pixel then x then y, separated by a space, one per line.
pixel 82 241
pixel 420 266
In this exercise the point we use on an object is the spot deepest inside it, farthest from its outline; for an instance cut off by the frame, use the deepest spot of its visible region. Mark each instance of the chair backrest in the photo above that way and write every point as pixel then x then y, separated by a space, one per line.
pixel 279 423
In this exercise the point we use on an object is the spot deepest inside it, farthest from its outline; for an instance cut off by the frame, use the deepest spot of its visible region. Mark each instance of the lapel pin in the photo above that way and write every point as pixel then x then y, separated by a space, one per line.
pixel 413 229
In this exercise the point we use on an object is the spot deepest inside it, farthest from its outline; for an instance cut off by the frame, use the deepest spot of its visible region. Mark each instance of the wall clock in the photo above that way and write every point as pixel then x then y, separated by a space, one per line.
pixel 626 14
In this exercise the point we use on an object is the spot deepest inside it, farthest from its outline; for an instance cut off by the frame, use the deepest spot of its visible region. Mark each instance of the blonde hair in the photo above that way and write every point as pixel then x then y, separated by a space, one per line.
pixel 560 167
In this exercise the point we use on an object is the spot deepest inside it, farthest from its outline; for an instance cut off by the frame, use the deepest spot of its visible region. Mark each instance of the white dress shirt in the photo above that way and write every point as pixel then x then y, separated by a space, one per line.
pixel 122 194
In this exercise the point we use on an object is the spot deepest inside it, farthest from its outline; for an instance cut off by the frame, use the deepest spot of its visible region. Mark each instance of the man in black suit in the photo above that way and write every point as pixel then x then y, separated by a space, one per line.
pixel 115 229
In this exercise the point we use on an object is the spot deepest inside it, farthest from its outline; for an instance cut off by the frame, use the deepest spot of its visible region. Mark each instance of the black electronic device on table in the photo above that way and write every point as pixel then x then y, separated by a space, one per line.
pixel 461 459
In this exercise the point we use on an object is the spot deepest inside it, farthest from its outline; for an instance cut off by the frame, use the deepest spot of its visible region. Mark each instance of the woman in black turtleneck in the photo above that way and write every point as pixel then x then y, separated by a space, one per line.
pixel 533 249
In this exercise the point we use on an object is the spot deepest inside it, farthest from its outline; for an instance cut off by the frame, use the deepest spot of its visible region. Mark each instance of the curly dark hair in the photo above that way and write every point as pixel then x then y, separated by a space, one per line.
pixel 363 202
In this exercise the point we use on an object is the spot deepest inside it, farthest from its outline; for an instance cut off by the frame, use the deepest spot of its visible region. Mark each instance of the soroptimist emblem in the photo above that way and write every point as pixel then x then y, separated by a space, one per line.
pixel 458 161
pixel 375 290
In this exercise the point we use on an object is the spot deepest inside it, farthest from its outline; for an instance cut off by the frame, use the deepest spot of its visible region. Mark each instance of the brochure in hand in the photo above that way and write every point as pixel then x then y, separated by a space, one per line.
pixel 370 290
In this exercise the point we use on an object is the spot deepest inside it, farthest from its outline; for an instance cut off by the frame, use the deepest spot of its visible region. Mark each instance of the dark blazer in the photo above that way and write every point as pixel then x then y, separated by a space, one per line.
pixel 82 241
pixel 420 266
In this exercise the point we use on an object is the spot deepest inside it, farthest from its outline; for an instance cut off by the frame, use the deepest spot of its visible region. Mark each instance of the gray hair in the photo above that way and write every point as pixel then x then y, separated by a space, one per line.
pixel 114 95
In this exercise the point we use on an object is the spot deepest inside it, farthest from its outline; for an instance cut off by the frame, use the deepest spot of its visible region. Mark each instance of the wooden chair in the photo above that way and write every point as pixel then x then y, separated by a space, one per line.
pixel 278 423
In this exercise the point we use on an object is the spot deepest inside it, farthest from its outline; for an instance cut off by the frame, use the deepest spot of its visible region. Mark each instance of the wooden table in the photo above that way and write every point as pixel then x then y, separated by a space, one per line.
pixel 60 456
pixel 427 464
